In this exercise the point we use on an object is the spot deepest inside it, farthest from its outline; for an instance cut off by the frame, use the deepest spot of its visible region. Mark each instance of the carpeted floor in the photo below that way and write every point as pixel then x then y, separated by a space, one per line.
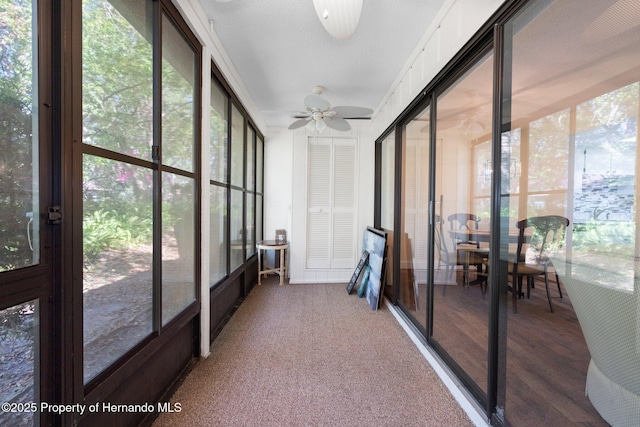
pixel 311 355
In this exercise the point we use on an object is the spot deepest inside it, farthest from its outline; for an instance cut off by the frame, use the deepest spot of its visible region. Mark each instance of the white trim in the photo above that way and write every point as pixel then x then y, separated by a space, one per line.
pixel 459 391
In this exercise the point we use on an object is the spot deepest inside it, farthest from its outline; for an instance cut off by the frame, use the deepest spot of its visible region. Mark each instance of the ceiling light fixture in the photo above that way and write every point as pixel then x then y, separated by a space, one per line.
pixel 316 123
pixel 339 17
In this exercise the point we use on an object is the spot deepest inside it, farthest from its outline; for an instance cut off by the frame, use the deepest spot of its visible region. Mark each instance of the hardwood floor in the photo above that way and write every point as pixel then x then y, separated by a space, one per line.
pixel 547 357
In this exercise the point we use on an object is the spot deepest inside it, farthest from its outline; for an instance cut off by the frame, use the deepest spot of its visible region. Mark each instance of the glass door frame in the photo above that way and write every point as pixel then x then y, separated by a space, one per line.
pixel 488 39
pixel 40 281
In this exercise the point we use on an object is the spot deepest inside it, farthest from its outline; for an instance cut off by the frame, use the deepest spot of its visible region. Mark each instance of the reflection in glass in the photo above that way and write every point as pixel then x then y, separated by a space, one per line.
pixel 463 184
pixel 259 233
pixel 251 134
pixel 179 77
pixel 117 73
pixel 251 230
pixel 237 231
pixel 578 121
pixel 415 216
pixel 387 192
pixel 604 211
pixel 178 244
pixel 117 251
pixel 259 161
pixel 19 191
pixel 237 147
pixel 19 367
pixel 218 138
pixel 218 234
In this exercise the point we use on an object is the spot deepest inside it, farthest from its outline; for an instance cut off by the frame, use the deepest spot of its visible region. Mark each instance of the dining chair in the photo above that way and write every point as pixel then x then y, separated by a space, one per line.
pixel 464 221
pixel 469 222
pixel 532 253
pixel 455 257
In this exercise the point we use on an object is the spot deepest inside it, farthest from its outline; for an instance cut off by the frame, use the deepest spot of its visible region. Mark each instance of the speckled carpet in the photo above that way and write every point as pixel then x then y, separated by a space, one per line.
pixel 311 355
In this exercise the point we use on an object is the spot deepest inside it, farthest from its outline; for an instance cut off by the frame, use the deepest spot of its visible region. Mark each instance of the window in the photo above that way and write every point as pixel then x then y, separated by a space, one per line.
pixel 237 148
pixel 19 197
pixel 218 162
pixel 236 161
pixel 387 202
pixel 259 186
pixel 117 182
pixel 250 186
pixel 180 83
pixel 27 255
pixel 463 181
pixel 125 167
pixel 19 367
pixel 572 147
pixel 414 216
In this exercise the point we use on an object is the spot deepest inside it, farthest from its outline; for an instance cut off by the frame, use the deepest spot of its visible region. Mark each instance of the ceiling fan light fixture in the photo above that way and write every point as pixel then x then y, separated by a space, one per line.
pixel 316 125
pixel 320 125
pixel 339 17
pixel 320 115
pixel 472 126
pixel 311 126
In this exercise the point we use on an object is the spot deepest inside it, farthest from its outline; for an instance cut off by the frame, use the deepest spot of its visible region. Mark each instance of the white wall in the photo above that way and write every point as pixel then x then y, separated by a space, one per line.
pixel 285 194
pixel 278 181
pixel 456 22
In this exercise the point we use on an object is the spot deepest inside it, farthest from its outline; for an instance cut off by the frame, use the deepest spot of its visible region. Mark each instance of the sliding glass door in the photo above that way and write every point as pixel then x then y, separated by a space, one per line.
pixel 461 220
pixel 27 215
pixel 570 146
pixel 414 233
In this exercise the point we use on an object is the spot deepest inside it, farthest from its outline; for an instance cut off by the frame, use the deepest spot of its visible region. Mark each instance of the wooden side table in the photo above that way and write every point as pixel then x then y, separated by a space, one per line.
pixel 272 245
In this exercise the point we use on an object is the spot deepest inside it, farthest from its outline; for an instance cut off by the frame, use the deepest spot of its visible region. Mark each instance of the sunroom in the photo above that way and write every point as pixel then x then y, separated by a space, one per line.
pixel 141 170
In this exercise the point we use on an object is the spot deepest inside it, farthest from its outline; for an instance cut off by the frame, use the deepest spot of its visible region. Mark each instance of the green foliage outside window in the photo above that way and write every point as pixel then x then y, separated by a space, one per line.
pixel 16 151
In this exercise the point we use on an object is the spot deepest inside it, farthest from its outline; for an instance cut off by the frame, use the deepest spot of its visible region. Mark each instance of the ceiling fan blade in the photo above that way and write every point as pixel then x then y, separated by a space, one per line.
pixel 314 102
pixel 337 123
pixel 299 123
pixel 352 112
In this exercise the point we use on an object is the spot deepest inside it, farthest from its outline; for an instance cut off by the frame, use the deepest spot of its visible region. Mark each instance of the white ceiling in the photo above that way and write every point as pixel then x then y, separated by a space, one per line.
pixel 280 51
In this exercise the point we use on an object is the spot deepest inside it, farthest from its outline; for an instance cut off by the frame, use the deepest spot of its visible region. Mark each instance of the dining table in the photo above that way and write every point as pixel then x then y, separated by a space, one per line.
pixel 481 236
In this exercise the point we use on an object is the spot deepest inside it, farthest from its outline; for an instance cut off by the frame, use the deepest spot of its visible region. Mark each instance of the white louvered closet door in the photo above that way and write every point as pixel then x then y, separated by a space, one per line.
pixel 331 203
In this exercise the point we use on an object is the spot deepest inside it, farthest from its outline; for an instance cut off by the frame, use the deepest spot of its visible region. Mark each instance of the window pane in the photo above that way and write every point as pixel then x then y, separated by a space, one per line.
pixel 548 153
pixel 19 192
pixel 218 143
pixel 117 250
pixel 415 217
pixel 387 203
pixel 388 182
pixel 18 364
pixel 463 179
pixel 250 184
pixel 259 232
pixel 179 77
pixel 237 237
pixel 237 147
pixel 251 229
pixel 117 91
pixel 259 164
pixel 574 96
pixel 218 236
pixel 178 244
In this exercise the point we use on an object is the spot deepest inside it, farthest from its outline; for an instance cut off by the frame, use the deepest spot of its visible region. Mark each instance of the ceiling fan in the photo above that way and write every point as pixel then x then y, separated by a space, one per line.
pixel 320 115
